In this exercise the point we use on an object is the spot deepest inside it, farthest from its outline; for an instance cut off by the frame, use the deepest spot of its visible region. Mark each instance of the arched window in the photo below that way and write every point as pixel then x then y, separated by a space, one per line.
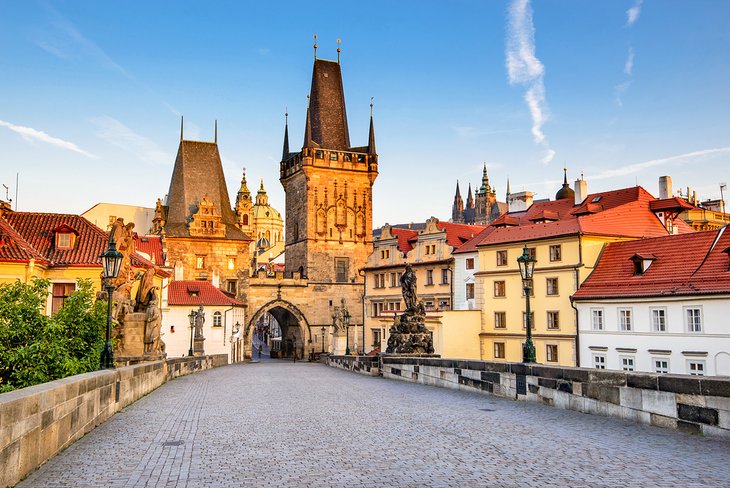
pixel 217 319
pixel 245 219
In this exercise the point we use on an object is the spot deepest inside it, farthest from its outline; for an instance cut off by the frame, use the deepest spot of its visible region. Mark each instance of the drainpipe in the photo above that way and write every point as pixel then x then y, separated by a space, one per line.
pixel 577 331
pixel 364 307
pixel 225 323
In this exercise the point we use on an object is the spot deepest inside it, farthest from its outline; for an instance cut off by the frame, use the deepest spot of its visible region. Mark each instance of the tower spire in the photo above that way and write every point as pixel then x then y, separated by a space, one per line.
pixel 285 152
pixel 508 192
pixel 338 50
pixel 308 128
pixel 315 47
pixel 215 130
pixel 371 136
pixel 182 125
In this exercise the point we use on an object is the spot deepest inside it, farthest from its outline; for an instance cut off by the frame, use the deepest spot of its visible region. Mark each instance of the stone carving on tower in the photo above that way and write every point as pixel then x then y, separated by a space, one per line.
pixel 328 187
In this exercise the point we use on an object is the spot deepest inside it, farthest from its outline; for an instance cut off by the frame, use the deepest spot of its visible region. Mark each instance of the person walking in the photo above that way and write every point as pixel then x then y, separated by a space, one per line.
pixel 260 347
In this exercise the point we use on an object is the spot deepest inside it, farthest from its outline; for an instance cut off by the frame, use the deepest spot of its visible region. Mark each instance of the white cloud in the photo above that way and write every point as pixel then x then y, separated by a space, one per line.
pixel 678 160
pixel 629 66
pixel 525 69
pixel 632 14
pixel 620 89
pixel 53 49
pixel 114 132
pixel 30 134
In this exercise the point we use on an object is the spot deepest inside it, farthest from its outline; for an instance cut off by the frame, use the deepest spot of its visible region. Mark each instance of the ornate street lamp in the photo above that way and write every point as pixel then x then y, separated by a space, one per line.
pixel 323 339
pixel 527 266
pixel 192 316
pixel 347 331
pixel 111 260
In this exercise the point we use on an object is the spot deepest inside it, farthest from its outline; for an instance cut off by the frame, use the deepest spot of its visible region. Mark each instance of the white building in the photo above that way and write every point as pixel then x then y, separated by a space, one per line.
pixel 466 263
pixel 225 320
pixel 659 305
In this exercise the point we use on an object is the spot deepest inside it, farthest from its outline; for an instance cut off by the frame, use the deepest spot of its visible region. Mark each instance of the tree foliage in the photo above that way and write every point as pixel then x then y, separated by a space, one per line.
pixel 35 348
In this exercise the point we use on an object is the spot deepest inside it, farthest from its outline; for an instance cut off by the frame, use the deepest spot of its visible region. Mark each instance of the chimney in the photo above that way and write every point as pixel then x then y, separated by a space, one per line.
pixel 665 187
pixel 519 202
pixel 581 190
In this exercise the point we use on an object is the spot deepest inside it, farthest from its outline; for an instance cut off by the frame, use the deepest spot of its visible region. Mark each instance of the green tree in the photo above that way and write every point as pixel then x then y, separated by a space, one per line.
pixel 35 348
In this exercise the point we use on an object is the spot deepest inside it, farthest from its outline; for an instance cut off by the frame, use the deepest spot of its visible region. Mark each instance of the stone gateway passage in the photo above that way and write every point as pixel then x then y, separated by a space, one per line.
pixel 279 423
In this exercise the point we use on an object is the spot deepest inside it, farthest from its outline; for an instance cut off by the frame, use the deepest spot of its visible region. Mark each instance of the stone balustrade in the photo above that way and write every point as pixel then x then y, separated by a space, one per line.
pixel 39 421
pixel 693 404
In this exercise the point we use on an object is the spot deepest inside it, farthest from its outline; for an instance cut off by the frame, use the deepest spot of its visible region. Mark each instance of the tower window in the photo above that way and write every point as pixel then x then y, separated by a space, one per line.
pixel 333 156
pixel 341 266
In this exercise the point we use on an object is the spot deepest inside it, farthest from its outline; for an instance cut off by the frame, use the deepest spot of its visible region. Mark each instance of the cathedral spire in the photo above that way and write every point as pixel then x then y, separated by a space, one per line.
pixel 457 211
pixel 261 197
pixel 285 152
pixel 508 192
pixel 371 136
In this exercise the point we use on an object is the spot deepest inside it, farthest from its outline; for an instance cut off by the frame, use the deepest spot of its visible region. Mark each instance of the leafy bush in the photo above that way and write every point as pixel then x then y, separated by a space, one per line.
pixel 35 348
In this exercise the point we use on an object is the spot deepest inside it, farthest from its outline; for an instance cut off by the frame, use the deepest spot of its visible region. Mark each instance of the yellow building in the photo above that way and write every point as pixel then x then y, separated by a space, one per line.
pixel 427 247
pixel 62 248
pixel 566 236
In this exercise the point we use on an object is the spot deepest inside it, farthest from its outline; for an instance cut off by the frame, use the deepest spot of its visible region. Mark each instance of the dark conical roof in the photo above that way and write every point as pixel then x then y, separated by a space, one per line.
pixel 566 191
pixel 327 103
pixel 198 173
pixel 285 152
pixel 371 137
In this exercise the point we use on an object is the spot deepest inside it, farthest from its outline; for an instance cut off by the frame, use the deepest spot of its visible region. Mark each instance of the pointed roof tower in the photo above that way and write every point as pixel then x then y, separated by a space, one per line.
pixel 457 211
pixel 508 192
pixel 198 173
pixel 371 136
pixel 485 188
pixel 566 191
pixel 328 117
pixel 261 197
pixel 243 192
pixel 285 152
pixel 469 199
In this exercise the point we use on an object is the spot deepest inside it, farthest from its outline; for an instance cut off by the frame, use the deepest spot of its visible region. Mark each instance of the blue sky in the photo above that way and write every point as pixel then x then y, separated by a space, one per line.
pixel 622 91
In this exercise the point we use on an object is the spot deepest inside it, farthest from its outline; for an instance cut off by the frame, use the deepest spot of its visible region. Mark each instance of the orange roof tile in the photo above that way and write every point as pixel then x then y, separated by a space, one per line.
pixel 686 264
pixel 194 292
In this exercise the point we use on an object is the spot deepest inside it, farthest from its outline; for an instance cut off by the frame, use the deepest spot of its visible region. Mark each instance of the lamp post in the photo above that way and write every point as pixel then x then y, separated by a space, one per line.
pixel 527 266
pixel 192 316
pixel 112 261
pixel 347 332
pixel 323 339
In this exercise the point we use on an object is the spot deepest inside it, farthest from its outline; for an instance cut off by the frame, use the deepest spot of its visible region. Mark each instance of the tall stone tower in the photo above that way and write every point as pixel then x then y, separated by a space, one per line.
pixel 328 186
pixel 244 207
pixel 457 210
pixel 486 201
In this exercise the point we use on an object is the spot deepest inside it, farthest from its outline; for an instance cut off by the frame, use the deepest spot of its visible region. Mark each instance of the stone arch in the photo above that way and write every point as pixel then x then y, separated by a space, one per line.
pixel 280 309
pixel 722 364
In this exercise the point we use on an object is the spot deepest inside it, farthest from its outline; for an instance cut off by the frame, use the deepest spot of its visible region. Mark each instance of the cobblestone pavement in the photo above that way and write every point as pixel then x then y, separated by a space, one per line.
pixel 283 424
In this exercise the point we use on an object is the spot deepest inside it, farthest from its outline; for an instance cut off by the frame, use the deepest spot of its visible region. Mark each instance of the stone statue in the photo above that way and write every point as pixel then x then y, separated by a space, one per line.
pixel 153 343
pixel 409 334
pixel 145 290
pixel 199 321
pixel 408 287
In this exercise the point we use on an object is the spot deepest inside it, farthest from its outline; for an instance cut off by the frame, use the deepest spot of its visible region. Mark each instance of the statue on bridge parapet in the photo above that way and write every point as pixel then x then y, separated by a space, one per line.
pixel 408 334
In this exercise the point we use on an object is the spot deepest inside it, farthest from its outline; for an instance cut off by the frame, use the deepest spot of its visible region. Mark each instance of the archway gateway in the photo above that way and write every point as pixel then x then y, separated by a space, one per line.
pixel 293 325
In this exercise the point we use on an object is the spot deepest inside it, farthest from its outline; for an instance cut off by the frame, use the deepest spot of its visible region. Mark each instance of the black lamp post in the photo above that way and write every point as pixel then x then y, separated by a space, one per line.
pixel 527 266
pixel 323 339
pixel 346 316
pixel 192 316
pixel 112 261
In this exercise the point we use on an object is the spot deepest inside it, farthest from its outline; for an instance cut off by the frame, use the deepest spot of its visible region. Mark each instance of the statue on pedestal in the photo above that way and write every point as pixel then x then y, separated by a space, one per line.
pixel 408 334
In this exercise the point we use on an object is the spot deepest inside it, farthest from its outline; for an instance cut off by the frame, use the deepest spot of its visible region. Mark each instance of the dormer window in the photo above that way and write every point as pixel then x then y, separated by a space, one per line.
pixel 596 199
pixel 65 237
pixel 642 263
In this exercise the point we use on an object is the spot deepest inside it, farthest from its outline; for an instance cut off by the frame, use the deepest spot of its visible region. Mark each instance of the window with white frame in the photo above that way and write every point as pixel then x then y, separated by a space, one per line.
pixel 500 320
pixel 217 319
pixel 597 318
pixel 693 316
pixel 429 277
pixel 659 319
pixel 499 350
pixel 553 320
pixel 551 353
pixel 599 361
pixel 627 363
pixel 444 276
pixel 532 320
pixel 696 367
pixel 552 286
pixel 661 365
pixel 501 258
pixel 499 288
pixel 555 252
pixel 625 319
pixel 470 291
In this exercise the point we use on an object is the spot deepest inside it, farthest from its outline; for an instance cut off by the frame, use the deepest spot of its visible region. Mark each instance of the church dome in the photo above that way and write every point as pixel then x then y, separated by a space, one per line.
pixel 566 191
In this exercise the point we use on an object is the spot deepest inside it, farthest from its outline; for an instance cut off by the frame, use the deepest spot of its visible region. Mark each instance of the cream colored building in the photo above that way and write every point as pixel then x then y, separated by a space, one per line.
pixel 428 248
pixel 103 215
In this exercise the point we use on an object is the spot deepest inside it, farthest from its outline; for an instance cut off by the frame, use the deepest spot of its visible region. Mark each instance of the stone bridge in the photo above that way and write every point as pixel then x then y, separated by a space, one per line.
pixel 276 423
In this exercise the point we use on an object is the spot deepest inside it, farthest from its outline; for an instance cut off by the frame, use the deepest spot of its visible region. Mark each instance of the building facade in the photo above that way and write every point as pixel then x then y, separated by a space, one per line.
pixel 659 305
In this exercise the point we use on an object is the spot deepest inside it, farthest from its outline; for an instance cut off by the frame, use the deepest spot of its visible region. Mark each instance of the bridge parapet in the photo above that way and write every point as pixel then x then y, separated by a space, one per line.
pixel 39 421
pixel 693 404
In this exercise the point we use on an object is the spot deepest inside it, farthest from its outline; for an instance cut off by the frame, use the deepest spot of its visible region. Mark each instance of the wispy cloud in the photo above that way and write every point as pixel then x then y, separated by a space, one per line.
pixel 620 90
pixel 30 135
pixel 629 65
pixel 685 159
pixel 632 14
pixel 524 68
pixel 74 40
pixel 114 132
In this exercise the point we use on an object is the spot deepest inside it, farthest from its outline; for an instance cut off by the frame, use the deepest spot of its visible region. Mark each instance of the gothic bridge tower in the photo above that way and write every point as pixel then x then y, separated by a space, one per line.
pixel 328 187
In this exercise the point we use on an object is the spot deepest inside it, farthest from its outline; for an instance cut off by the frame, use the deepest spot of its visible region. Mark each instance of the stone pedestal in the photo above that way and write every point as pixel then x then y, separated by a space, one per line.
pixel 339 345
pixel 198 349
pixel 130 335
pixel 409 334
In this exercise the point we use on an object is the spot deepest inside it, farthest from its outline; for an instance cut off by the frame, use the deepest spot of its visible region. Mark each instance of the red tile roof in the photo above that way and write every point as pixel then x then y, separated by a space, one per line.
pixel 198 293
pixel 31 235
pixel 471 244
pixel 686 264
pixel 458 234
pixel 405 237
pixel 152 246
pixel 623 213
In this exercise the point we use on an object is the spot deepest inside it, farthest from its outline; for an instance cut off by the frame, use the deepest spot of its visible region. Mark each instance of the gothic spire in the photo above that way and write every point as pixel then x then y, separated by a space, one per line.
pixel 508 192
pixel 371 136
pixel 308 127
pixel 285 152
